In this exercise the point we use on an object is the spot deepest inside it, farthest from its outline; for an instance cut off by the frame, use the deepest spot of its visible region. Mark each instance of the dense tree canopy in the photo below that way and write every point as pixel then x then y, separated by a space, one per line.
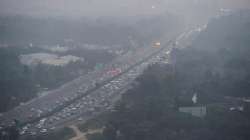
pixel 214 67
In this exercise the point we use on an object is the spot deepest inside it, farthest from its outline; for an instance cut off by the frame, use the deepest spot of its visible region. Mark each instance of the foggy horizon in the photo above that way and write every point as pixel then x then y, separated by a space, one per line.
pixel 124 69
pixel 94 8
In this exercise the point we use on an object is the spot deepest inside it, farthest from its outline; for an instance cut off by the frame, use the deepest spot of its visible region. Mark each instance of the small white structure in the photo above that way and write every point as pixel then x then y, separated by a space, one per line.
pixel 194 98
pixel 198 111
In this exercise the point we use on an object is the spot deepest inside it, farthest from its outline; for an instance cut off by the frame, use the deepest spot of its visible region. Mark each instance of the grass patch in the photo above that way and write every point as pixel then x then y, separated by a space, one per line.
pixel 95 123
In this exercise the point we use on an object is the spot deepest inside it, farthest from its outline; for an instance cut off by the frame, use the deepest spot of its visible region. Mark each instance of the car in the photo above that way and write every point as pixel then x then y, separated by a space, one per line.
pixel 80 119
pixel 22 132
pixel 43 131
pixel 57 118
pixel 32 133
pixel 39 126
pixel 25 127
pixel 52 128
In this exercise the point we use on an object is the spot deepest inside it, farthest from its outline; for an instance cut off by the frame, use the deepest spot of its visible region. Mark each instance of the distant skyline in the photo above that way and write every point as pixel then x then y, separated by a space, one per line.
pixel 95 8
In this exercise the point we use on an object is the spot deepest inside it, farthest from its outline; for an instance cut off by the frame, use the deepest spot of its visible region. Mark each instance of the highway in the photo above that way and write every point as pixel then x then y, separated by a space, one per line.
pixel 87 95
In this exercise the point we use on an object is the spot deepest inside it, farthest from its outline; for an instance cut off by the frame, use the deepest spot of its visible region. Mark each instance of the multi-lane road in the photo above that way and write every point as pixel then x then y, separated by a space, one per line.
pixel 87 95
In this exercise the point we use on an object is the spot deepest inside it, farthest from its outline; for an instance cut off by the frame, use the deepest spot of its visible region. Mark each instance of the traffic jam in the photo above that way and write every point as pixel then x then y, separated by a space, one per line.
pixel 106 84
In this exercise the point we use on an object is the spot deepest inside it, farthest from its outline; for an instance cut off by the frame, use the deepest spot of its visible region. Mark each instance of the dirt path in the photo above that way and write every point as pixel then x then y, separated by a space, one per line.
pixel 82 136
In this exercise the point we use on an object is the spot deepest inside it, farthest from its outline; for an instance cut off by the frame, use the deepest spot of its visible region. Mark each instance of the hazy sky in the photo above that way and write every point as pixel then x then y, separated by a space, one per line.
pixel 80 8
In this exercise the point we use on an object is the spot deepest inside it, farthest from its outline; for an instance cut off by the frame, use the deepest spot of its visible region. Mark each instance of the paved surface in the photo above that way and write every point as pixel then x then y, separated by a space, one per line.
pixel 88 95
pixel 83 136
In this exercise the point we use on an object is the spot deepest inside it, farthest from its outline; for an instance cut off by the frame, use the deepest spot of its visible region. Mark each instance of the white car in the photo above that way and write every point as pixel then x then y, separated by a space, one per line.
pixel 22 132
pixel 80 119
pixel 43 131
pixel 33 133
